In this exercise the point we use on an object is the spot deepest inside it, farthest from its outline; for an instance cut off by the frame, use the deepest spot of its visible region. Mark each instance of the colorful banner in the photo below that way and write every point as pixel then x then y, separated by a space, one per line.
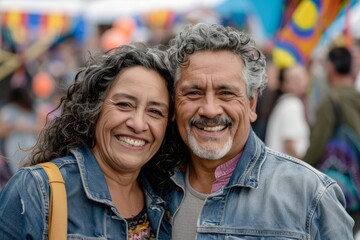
pixel 24 28
pixel 342 29
pixel 296 41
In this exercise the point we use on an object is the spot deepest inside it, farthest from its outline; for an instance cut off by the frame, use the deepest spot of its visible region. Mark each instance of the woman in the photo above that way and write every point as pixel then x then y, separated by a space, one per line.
pixel 113 121
pixel 287 128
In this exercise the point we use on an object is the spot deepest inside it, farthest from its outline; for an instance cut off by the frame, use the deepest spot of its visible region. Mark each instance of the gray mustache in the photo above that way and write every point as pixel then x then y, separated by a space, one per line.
pixel 211 121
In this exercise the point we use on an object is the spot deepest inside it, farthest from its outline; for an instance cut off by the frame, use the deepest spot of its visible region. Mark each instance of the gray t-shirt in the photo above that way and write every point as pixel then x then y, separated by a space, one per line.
pixel 185 220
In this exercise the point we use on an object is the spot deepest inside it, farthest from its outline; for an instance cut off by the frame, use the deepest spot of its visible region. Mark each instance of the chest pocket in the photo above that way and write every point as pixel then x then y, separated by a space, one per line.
pixel 82 237
pixel 259 238
pixel 249 234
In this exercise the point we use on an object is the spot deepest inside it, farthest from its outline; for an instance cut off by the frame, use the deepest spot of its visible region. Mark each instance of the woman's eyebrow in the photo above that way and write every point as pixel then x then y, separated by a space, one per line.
pixel 135 99
pixel 156 103
pixel 123 95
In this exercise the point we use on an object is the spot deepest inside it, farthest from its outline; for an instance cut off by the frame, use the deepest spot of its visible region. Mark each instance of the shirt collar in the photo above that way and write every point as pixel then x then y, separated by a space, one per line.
pixel 224 172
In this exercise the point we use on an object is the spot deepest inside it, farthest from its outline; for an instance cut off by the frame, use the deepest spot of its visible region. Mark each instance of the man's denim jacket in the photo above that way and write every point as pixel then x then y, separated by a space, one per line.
pixel 24 202
pixel 269 196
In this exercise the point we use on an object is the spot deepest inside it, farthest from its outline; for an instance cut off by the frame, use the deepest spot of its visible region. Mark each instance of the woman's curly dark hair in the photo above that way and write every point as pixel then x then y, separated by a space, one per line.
pixel 81 106
pixel 173 153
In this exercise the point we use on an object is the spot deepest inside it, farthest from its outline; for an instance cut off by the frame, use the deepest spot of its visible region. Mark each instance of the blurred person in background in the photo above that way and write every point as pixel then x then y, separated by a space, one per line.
pixel 22 120
pixel 112 122
pixel 355 52
pixel 287 128
pixel 341 82
pixel 47 109
pixel 5 171
pixel 267 99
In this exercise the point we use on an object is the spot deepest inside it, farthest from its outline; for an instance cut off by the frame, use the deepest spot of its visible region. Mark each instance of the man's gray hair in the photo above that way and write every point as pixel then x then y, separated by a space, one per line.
pixel 214 37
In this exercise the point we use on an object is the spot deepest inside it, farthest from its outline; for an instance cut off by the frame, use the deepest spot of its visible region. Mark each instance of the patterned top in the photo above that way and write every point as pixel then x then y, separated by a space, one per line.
pixel 139 227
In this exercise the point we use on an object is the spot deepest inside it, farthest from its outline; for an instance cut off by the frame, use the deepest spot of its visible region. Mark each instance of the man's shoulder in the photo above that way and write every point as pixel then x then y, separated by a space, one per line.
pixel 284 166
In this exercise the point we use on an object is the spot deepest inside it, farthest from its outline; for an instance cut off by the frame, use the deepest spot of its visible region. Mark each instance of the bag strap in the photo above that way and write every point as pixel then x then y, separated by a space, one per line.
pixel 58 205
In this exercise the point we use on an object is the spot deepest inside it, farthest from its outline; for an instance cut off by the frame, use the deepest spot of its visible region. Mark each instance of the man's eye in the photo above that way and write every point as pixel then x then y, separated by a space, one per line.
pixel 193 93
pixel 226 93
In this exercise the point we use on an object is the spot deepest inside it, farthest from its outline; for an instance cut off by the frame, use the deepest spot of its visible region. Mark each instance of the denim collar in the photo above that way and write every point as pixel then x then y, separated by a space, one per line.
pixel 94 181
pixel 247 170
pixel 92 177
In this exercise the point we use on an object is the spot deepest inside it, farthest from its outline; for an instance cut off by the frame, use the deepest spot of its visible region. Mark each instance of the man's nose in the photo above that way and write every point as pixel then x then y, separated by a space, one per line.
pixel 210 107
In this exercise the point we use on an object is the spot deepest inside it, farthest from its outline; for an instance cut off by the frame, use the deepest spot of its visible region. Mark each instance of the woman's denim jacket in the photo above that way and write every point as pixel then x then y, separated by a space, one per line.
pixel 269 196
pixel 24 202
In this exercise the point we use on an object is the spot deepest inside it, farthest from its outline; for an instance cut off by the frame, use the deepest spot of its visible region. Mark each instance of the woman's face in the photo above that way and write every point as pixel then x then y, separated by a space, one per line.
pixel 296 80
pixel 132 121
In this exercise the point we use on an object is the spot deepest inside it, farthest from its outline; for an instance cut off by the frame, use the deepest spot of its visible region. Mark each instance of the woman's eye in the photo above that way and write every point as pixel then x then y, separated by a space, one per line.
pixel 124 105
pixel 156 112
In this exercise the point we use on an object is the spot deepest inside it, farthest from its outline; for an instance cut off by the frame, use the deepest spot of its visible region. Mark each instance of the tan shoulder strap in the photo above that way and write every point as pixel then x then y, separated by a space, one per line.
pixel 58 205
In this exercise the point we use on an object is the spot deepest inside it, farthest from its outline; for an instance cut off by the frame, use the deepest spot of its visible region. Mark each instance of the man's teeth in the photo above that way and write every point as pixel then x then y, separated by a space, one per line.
pixel 132 142
pixel 215 128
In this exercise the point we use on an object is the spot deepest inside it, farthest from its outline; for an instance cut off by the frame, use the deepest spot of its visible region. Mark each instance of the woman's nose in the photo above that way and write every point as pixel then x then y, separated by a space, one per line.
pixel 137 122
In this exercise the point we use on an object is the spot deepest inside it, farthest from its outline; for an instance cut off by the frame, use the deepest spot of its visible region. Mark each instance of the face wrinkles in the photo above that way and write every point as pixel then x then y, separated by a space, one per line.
pixel 133 120
pixel 163 106
pixel 212 110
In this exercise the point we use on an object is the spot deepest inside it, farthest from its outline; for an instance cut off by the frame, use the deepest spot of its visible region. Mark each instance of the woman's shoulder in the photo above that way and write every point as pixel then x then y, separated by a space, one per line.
pixel 289 99
pixel 37 175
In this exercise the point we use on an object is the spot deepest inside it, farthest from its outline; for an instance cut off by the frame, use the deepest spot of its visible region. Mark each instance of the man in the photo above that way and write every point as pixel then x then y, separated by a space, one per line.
pixel 232 186
pixel 342 90
pixel 341 82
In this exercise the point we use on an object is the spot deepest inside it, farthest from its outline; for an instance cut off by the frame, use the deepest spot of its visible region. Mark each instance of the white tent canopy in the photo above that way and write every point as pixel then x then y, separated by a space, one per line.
pixel 71 7
pixel 103 10
pixel 106 10
pixel 355 21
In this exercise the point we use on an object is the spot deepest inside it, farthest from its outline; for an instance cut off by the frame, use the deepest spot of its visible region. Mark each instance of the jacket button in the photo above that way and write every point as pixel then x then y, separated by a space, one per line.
pixel 167 215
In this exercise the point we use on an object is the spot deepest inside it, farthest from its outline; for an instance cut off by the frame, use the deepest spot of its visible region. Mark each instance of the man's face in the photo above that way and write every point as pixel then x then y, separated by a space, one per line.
pixel 213 112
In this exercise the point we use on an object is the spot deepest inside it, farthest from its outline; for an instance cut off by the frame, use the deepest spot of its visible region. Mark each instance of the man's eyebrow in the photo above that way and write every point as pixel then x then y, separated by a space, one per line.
pixel 191 86
pixel 196 86
pixel 225 86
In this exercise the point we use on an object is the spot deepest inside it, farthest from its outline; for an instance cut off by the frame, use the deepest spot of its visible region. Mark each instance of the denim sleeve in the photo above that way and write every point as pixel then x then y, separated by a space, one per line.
pixel 21 207
pixel 330 219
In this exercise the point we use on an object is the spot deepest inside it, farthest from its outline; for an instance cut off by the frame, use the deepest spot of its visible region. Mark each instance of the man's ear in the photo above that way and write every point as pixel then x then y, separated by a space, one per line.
pixel 252 108
pixel 173 117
